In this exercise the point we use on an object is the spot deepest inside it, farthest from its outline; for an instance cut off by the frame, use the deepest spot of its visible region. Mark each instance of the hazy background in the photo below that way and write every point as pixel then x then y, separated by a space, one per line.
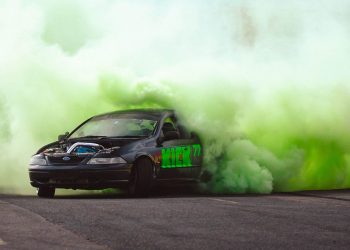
pixel 265 83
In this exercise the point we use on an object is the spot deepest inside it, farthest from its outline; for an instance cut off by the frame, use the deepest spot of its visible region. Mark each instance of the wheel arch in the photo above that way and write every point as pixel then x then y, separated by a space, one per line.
pixel 148 157
pixel 143 155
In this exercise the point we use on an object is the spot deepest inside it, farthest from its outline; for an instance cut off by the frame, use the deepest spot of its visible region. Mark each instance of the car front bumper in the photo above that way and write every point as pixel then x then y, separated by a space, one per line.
pixel 80 177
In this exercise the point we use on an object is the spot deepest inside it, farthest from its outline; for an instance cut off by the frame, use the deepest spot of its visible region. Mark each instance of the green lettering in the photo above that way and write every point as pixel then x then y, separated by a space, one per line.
pixel 179 156
pixel 186 156
pixel 197 149
pixel 178 151
pixel 166 153
pixel 173 158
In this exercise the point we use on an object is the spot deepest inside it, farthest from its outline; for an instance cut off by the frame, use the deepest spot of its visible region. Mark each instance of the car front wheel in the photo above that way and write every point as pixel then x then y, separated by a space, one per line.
pixel 140 182
pixel 46 192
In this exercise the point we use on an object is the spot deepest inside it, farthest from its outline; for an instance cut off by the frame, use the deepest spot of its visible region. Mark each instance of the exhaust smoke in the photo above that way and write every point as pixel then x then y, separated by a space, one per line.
pixel 265 84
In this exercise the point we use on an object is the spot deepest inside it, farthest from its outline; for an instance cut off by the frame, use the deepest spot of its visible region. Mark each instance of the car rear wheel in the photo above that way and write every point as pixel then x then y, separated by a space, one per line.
pixel 140 182
pixel 46 192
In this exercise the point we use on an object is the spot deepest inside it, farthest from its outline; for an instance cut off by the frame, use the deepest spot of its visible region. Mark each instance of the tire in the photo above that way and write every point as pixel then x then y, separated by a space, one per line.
pixel 46 192
pixel 141 178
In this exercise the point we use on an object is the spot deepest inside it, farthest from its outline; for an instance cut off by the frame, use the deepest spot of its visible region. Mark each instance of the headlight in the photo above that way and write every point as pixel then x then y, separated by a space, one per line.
pixel 37 160
pixel 114 160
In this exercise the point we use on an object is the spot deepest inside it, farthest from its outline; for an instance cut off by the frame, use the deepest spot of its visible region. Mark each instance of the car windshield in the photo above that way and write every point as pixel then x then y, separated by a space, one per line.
pixel 115 127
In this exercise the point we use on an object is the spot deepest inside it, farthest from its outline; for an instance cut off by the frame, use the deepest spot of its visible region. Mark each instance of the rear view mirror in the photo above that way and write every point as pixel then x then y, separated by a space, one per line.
pixel 63 137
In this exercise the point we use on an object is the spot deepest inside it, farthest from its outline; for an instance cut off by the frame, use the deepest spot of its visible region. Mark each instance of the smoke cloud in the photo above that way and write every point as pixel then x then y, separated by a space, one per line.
pixel 265 84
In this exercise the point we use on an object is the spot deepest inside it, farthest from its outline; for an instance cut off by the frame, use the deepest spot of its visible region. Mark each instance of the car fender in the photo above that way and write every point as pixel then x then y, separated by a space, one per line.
pixel 144 154
pixel 156 166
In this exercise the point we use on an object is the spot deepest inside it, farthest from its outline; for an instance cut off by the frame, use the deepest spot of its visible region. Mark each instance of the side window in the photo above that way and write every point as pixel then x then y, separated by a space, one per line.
pixel 172 126
pixel 168 126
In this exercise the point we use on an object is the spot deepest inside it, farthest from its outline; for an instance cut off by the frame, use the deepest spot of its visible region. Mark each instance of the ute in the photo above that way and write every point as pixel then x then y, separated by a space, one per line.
pixel 130 149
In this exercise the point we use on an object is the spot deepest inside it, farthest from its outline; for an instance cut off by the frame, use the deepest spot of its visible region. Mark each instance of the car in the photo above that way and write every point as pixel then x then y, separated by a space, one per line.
pixel 132 149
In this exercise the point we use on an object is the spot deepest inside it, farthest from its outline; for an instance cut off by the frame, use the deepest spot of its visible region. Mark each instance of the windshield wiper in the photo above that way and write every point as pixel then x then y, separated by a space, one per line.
pixel 109 137
pixel 90 137
pixel 129 136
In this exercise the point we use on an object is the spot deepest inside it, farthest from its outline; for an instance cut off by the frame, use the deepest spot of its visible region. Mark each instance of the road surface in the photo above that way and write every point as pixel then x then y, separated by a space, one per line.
pixel 177 220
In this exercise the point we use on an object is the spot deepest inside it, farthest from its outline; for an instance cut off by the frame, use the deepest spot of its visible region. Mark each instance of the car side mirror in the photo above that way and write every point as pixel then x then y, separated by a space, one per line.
pixel 63 137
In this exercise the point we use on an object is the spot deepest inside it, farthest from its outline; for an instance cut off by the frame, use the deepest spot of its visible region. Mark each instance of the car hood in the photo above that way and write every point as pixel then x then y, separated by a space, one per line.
pixel 57 153
pixel 105 142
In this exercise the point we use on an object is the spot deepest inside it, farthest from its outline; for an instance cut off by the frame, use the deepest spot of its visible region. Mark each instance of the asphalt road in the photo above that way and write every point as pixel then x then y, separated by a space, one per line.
pixel 177 220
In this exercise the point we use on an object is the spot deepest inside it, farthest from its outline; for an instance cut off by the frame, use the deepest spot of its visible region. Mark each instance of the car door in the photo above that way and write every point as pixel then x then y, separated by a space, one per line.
pixel 180 155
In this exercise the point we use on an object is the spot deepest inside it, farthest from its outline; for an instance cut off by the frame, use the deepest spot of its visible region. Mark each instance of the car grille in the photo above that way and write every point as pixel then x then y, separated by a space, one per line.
pixel 65 160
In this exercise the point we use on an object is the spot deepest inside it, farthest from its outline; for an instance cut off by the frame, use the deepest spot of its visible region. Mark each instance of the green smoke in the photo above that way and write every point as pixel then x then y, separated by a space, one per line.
pixel 264 84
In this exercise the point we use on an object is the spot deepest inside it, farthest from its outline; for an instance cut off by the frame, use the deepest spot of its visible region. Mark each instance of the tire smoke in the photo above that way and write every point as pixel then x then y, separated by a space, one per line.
pixel 265 84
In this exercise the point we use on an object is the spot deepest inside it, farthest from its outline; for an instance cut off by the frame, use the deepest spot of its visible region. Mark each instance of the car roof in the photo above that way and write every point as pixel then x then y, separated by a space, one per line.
pixel 138 113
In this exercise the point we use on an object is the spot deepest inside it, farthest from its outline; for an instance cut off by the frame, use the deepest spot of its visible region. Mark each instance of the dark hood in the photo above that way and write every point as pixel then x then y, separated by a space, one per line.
pixel 105 142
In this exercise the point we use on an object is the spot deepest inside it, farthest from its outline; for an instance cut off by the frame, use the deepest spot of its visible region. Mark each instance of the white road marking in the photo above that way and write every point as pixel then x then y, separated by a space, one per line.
pixel 232 202
pixel 2 243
